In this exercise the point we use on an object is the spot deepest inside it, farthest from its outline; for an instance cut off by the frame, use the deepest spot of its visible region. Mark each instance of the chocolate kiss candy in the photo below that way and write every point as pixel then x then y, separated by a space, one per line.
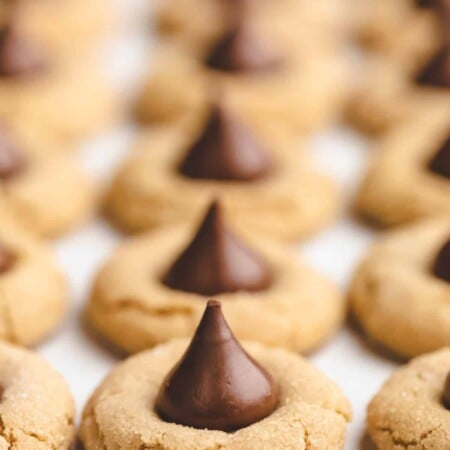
pixel 440 163
pixel 446 396
pixel 442 263
pixel 6 259
pixel 216 384
pixel 216 261
pixel 19 56
pixel 11 160
pixel 437 72
pixel 241 50
pixel 226 150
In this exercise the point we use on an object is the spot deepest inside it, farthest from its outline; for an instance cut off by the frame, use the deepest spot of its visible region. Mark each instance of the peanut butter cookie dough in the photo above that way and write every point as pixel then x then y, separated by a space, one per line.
pixel 174 19
pixel 262 72
pixel 154 288
pixel 65 27
pixel 44 188
pixel 32 290
pixel 411 410
pixel 49 93
pixel 400 292
pixel 216 396
pixel 37 409
pixel 264 185
pixel 409 175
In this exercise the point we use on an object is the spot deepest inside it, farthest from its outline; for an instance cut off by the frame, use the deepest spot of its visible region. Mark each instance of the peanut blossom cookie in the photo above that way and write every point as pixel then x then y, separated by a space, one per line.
pixel 67 27
pixel 409 175
pixel 155 286
pixel 32 290
pixel 393 90
pixel 48 93
pixel 36 407
pixel 264 185
pixel 263 73
pixel 403 29
pixel 412 409
pixel 174 18
pixel 400 293
pixel 45 190
pixel 214 393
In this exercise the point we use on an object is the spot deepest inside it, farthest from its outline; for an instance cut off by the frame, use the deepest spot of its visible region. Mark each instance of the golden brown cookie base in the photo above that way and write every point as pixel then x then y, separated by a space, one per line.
pixel 312 412
pixel 407 412
pixel 389 97
pixel 37 410
pixel 65 28
pixel 39 196
pixel 132 308
pixel 68 102
pixel 397 29
pixel 33 291
pixel 396 298
pixel 398 187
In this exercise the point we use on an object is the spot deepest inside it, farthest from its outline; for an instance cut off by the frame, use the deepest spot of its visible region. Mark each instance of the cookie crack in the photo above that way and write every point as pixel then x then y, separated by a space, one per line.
pixel 99 429
pixel 7 437
pixel 306 435
pixel 396 440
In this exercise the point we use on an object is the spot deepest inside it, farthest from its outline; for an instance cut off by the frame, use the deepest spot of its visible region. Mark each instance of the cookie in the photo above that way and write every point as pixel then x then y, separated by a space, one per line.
pixel 31 285
pixel 46 190
pixel 37 408
pixel 174 19
pixel 67 98
pixel 394 90
pixel 216 396
pixel 408 175
pixel 409 411
pixel 402 29
pixel 66 28
pixel 264 184
pixel 262 72
pixel 399 294
pixel 154 288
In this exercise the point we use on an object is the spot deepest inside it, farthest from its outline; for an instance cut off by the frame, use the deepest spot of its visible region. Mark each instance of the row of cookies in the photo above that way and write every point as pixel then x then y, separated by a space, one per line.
pixel 238 269
pixel 385 423
pixel 229 90
pixel 52 95
pixel 400 292
pixel 226 138
pixel 216 392
pixel 103 411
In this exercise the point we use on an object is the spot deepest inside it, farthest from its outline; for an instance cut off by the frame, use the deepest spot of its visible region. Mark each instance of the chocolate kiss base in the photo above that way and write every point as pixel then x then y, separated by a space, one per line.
pixel 216 262
pixel 440 164
pixel 442 263
pixel 216 385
